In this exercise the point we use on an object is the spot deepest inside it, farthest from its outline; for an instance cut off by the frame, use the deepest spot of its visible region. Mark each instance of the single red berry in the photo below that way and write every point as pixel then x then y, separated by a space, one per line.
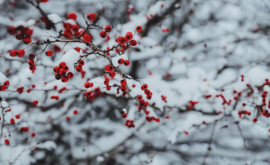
pixel 6 142
pixel 121 61
pixel 75 112
pixel 67 118
pixel 133 42
pixel 91 16
pixel 81 62
pixel 108 28
pixel 126 62
pixel 21 53
pixel 70 75
pixel 56 48
pixel 112 74
pixel 87 37
pixel 49 53
pixel 64 79
pixel 77 49
pixel 13 53
pixel 12 121
pixel 139 29
pixel 109 68
pixel 103 34
pixel 35 102
pixel 27 40
pixel 123 82
pixel 12 30
pixel 129 35
pixel 33 134
pixel 6 83
pixel 62 64
pixel 72 15
pixel 144 86
pixel 18 116
pixel 75 28
pixel 32 56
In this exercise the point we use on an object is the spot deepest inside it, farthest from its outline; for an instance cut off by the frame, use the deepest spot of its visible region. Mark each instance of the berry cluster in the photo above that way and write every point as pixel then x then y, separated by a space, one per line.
pixel 243 112
pixel 152 118
pixel 91 95
pixel 55 97
pixel 106 82
pixel 124 42
pixel 130 123
pixel 4 86
pixel 147 92
pixel 21 33
pixel 71 30
pixel 31 62
pixel 106 30
pixel 109 69
pixel 122 61
pixel 61 72
pixel 19 53
pixel 80 65
pixel 20 89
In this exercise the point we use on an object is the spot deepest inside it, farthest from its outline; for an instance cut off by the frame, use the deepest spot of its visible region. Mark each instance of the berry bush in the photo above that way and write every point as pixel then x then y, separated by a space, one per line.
pixel 113 82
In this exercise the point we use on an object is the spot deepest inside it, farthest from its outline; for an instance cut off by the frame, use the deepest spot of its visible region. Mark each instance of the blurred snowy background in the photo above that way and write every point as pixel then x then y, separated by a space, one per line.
pixel 210 58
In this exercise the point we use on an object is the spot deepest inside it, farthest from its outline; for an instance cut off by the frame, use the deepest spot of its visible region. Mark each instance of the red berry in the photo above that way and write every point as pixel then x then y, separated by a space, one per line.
pixel 81 62
pixel 62 65
pixel 35 102
pixel 18 116
pixel 108 68
pixel 123 82
pixel 21 53
pixel 77 49
pixel 139 29
pixel 33 134
pixel 70 75
pixel 126 62
pixel 27 40
pixel 144 86
pixel 12 121
pixel 112 73
pixel 121 61
pixel 72 16
pixel 6 142
pixel 64 79
pixel 75 112
pixel 129 35
pixel 49 53
pixel 133 42
pixel 67 118
pixel 6 83
pixel 12 30
pixel 91 16
pixel 13 53
pixel 87 37
pixel 103 34
pixel 108 28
